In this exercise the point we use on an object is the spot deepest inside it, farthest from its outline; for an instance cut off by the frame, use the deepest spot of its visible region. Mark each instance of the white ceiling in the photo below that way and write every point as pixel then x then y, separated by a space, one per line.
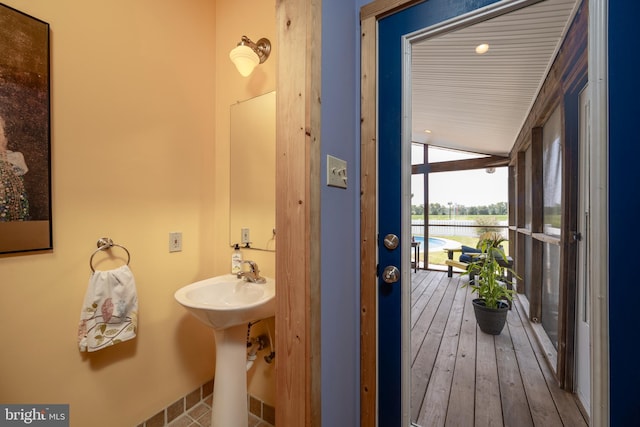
pixel 477 102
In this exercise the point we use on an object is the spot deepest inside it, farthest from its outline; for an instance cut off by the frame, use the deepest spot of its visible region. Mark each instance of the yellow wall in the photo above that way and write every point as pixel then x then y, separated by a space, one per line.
pixel 140 94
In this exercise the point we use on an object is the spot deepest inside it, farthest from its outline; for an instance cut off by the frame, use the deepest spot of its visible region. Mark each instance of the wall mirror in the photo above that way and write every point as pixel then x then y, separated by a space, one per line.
pixel 252 204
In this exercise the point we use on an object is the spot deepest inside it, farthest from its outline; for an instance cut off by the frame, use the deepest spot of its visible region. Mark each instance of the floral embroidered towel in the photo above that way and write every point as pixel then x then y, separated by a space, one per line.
pixel 110 311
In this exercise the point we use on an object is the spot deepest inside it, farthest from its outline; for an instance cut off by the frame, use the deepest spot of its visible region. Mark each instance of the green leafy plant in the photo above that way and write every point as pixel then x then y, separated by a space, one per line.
pixel 487 276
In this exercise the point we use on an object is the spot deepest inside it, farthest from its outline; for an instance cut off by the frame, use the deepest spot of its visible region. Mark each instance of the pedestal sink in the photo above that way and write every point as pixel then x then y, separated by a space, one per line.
pixel 227 304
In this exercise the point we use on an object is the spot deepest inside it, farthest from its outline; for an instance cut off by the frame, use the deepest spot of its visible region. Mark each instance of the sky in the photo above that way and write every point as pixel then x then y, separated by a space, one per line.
pixel 468 188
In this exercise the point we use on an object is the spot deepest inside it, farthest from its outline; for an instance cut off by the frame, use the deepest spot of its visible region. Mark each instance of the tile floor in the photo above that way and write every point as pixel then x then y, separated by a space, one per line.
pixel 200 416
pixel 194 410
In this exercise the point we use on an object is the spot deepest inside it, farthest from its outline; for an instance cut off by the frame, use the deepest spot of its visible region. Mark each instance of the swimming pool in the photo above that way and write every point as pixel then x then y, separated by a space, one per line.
pixel 435 243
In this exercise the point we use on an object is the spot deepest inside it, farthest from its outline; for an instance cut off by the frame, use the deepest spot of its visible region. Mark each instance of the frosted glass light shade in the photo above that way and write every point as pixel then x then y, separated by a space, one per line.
pixel 244 58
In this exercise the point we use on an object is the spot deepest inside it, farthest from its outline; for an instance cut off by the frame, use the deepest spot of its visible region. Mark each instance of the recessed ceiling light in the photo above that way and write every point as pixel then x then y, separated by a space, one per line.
pixel 482 48
pixel 427 131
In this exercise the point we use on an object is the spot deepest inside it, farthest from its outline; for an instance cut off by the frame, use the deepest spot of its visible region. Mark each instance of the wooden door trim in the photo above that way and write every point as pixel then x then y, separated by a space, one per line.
pixel 368 246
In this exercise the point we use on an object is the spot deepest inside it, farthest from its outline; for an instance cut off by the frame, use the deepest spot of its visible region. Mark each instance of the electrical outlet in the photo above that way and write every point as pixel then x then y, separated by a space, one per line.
pixel 336 172
pixel 175 241
pixel 245 236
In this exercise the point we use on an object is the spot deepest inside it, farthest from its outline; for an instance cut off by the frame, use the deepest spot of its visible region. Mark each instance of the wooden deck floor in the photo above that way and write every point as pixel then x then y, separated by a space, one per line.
pixel 464 377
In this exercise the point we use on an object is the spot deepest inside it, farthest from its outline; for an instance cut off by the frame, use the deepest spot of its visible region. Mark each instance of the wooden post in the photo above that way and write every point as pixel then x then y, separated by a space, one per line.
pixel 298 213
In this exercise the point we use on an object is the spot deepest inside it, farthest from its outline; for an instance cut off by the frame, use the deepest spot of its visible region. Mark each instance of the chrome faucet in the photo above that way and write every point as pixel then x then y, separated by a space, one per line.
pixel 253 275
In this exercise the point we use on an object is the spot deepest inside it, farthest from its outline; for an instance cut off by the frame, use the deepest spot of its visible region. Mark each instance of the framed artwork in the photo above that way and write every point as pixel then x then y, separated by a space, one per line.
pixel 25 133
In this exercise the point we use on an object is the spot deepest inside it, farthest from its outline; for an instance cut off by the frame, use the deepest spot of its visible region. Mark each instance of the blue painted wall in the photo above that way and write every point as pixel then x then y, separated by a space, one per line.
pixel 340 215
pixel 624 186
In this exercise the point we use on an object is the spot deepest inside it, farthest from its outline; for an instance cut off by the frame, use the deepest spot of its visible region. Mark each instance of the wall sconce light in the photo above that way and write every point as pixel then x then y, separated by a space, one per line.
pixel 247 54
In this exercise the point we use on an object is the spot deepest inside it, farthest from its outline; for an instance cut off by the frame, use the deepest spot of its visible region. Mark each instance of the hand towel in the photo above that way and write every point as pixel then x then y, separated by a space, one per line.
pixel 110 312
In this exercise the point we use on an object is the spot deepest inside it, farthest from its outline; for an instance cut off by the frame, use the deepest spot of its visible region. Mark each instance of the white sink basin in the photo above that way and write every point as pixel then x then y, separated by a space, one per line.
pixel 224 301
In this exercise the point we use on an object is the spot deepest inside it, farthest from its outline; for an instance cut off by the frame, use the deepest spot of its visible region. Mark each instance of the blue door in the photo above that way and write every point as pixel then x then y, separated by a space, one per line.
pixel 391 30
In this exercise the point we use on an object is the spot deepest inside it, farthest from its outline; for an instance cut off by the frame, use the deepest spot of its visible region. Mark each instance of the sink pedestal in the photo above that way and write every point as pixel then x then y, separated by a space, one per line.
pixel 230 382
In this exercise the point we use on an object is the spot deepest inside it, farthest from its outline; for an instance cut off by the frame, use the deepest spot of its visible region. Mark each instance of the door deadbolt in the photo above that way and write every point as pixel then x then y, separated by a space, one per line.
pixel 391 274
pixel 391 241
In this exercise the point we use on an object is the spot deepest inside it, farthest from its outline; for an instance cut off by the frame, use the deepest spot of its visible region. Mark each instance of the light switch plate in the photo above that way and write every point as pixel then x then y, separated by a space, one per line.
pixel 336 172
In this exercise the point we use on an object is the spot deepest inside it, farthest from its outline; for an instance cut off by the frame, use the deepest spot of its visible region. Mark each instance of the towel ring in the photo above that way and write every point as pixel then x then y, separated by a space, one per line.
pixel 103 244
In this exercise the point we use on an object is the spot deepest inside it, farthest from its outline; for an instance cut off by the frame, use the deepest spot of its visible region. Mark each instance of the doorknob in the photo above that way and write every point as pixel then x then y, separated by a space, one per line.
pixel 391 241
pixel 391 274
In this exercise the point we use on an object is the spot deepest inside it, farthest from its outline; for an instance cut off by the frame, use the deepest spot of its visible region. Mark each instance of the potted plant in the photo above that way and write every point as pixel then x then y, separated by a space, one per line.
pixel 487 279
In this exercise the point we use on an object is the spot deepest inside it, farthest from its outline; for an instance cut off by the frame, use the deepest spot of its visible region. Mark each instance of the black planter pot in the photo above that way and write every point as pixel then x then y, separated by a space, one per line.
pixel 490 320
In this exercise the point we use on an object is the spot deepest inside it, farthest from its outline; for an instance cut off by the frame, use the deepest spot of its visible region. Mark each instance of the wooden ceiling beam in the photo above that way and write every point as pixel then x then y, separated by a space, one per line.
pixel 458 165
